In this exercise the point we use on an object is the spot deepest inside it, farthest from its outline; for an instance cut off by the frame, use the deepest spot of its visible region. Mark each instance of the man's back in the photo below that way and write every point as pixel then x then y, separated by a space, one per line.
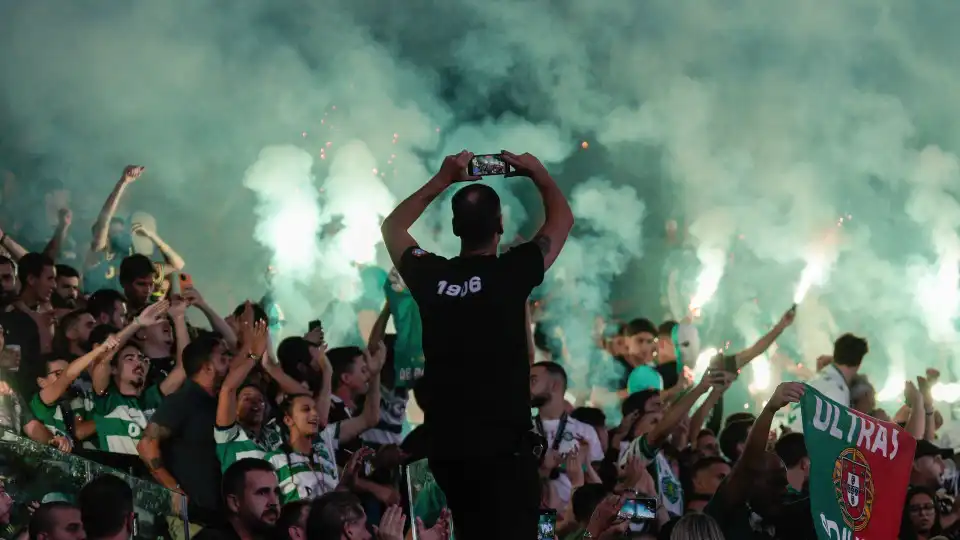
pixel 475 345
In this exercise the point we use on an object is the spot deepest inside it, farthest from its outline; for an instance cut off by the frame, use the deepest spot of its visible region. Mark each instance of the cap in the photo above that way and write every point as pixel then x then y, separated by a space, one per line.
pixel 928 449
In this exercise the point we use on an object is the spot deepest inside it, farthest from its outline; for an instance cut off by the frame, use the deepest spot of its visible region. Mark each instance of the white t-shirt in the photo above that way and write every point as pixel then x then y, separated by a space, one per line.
pixel 829 382
pixel 574 430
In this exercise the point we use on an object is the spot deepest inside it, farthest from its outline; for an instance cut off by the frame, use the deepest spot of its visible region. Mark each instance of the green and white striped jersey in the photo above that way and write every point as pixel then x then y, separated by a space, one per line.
pixel 49 415
pixel 121 419
pixel 235 443
pixel 307 477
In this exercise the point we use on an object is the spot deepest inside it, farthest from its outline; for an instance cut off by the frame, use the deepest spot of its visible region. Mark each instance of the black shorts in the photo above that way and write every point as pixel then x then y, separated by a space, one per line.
pixel 494 497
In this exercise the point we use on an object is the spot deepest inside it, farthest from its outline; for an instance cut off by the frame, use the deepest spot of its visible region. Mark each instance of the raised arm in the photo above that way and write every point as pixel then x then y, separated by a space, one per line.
pixel 53 247
pixel 558 218
pixel 15 249
pixel 173 261
pixel 193 298
pixel 370 416
pixel 101 228
pixel 680 409
pixel 396 227
pixel 54 391
pixel 252 349
pixel 700 416
pixel 151 315
pixel 751 463
pixel 177 376
pixel 745 356
pixel 379 330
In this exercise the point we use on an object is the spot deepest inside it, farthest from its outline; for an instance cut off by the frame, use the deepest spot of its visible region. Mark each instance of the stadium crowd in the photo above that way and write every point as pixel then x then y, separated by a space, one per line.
pixel 104 356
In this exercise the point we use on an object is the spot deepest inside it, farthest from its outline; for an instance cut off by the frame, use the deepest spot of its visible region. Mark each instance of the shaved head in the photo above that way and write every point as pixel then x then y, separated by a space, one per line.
pixel 476 214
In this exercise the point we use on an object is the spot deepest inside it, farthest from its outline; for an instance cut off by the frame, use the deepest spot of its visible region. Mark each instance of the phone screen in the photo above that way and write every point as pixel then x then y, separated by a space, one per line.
pixel 487 165
pixel 639 509
pixel 186 282
pixel 547 529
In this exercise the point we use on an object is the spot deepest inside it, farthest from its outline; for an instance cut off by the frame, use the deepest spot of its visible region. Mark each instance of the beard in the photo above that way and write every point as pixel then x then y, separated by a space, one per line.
pixel 539 400
pixel 260 525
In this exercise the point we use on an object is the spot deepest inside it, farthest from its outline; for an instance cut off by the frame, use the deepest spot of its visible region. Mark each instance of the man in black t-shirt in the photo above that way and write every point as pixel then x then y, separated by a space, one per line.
pixel 475 345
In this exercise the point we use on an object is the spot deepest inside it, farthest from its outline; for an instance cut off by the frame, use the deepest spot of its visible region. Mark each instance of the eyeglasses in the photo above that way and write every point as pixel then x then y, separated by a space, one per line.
pixel 921 508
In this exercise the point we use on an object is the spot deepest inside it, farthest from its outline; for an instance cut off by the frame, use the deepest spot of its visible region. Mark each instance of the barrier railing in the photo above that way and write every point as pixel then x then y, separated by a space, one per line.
pixel 32 472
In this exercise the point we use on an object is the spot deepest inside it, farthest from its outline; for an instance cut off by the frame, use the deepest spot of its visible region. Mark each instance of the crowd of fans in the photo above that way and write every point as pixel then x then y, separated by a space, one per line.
pixel 306 441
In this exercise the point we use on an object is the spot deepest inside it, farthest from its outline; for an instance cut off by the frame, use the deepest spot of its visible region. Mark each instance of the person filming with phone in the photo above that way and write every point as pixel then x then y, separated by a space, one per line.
pixel 472 308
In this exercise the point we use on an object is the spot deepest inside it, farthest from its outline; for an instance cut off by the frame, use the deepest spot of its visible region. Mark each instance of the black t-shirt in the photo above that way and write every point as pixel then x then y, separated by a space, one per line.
pixel 475 347
pixel 20 329
pixel 668 372
pixel 340 413
pixel 159 369
pixel 190 454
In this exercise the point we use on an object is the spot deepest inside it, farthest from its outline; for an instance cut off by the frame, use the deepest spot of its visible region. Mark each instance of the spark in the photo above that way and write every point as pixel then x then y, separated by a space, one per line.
pixel 329 144
pixel 374 171
pixel 304 134
pixel 584 145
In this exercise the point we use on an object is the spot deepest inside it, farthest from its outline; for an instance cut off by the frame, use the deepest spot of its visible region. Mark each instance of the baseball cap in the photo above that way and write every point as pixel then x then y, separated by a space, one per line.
pixel 928 449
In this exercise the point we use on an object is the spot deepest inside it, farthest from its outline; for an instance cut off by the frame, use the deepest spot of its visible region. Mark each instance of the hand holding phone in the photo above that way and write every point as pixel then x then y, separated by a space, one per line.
pixel 186 282
pixel 639 509
pixel 547 528
pixel 487 165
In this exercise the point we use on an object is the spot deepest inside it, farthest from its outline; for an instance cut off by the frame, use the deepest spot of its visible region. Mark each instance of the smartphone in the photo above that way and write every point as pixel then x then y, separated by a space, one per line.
pixel 639 509
pixel 730 363
pixel 487 165
pixel 186 282
pixel 547 529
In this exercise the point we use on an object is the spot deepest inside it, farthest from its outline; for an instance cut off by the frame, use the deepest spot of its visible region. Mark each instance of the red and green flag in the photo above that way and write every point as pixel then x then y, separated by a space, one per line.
pixel 859 470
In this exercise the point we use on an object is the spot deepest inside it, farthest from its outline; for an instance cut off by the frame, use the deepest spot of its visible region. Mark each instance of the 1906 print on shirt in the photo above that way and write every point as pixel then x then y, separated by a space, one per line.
pixel 472 285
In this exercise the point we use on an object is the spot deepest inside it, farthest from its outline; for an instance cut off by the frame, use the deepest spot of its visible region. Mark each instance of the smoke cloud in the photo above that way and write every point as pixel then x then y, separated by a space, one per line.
pixel 773 133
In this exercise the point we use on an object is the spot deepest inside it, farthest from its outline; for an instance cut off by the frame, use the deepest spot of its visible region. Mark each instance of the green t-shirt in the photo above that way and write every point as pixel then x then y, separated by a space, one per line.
pixel 49 415
pixel 307 477
pixel 408 349
pixel 121 419
pixel 234 443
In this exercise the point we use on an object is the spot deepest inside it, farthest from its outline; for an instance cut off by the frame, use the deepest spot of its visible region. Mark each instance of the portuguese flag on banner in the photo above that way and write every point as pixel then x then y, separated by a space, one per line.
pixel 859 470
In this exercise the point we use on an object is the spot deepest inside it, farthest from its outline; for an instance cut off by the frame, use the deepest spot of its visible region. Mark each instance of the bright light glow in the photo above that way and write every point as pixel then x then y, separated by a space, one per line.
pixel 946 392
pixel 939 298
pixel 893 389
pixel 813 274
pixel 761 375
pixel 703 362
pixel 360 200
pixel 709 279
pixel 570 398
pixel 288 209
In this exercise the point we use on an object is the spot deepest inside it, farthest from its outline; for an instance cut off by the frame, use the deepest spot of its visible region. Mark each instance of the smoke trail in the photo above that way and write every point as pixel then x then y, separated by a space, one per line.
pixel 783 119
pixel 288 209
pixel 933 207
pixel 607 237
